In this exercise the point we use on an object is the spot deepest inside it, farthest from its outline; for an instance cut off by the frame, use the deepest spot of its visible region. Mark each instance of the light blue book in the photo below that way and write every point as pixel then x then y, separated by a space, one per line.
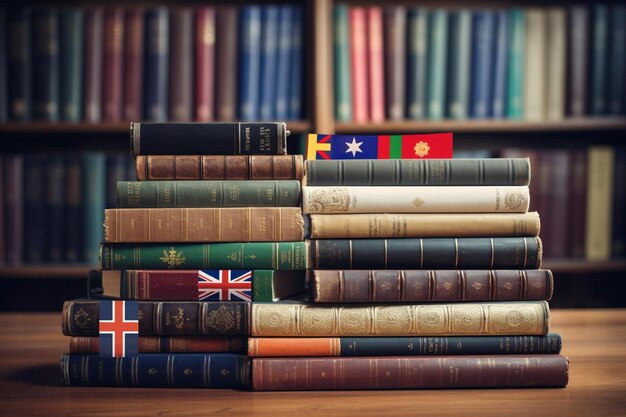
pixel 459 64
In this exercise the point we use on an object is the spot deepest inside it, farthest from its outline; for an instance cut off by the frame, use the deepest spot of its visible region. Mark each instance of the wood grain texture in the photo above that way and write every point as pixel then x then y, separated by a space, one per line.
pixel 594 341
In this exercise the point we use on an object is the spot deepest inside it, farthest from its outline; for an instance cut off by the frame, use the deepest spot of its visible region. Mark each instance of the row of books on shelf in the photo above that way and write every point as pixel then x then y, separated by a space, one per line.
pixel 536 63
pixel 129 63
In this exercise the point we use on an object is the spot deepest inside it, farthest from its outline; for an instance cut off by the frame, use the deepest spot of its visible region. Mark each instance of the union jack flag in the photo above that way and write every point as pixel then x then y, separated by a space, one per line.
pixel 119 328
pixel 225 285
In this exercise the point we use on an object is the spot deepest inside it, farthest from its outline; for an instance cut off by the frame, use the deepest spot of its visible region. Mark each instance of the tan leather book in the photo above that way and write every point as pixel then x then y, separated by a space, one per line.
pixel 470 319
pixel 245 224
pixel 216 167
pixel 387 225
pixel 598 236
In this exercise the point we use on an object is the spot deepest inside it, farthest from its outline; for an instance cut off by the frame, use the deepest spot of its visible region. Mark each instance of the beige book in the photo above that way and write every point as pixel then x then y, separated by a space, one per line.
pixel 599 223
pixel 471 319
pixel 386 225
pixel 240 224
pixel 535 65
pixel 555 106
pixel 415 199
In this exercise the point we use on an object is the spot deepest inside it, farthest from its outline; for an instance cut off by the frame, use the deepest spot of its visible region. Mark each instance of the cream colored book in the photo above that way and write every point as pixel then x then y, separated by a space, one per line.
pixel 470 319
pixel 418 199
pixel 389 225
pixel 599 223
pixel 555 105
pixel 535 65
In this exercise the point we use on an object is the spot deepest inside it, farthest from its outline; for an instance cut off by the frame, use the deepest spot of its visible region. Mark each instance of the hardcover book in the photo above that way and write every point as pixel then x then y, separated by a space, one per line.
pixel 172 344
pixel 205 44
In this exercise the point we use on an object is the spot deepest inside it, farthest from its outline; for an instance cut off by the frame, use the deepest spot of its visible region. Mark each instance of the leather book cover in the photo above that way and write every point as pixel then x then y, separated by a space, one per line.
pixel 45 51
pixel 112 73
pixel 181 62
pixel 226 52
pixel 73 208
pixel 217 167
pixel 94 43
pixel 133 64
pixel 578 203
pixel 164 344
pixel 578 48
pixel 395 61
pixel 204 47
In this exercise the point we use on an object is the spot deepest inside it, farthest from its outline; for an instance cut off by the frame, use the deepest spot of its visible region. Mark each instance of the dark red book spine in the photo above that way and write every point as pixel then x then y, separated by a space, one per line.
pixel 501 371
pixel 93 65
pixel 205 64
pixel 181 82
pixel 133 64
pixel 358 64
pixel 113 65
pixel 226 52
pixel 174 344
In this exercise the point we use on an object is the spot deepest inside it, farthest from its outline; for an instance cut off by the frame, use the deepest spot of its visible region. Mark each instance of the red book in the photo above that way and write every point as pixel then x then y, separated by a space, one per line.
pixel 226 52
pixel 92 99
pixel 113 65
pixel 375 53
pixel 133 64
pixel 205 64
pixel 358 64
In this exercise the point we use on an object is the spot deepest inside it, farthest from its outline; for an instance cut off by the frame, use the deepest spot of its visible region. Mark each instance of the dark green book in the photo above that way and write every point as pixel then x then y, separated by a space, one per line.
pixel 250 255
pixel 163 194
pixel 341 50
pixel 71 75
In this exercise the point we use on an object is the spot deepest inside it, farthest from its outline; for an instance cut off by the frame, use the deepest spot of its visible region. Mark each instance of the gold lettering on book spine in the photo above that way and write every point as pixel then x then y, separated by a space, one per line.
pixel 329 199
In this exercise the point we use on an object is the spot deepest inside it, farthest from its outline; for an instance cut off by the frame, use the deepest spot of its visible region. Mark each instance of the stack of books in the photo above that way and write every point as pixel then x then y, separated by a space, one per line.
pixel 424 275
pixel 213 222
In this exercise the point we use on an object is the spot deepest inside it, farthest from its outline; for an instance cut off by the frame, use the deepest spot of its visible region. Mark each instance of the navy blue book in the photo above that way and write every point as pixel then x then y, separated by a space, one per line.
pixel 417 75
pixel 498 103
pixel 598 92
pixel 55 208
pixel 4 93
pixel 156 64
pixel 249 63
pixel 20 65
pixel 617 60
pixel 45 50
pixel 35 224
pixel 482 64
pixel 179 370
pixel 297 65
pixel 269 55
pixel 285 17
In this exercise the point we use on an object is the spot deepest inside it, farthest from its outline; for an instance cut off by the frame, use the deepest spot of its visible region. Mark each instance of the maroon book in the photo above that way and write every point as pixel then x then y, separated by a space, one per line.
pixel 92 99
pixel 133 64
pixel 112 73
pixel 226 73
pixel 205 64
pixel 181 82
pixel 577 203
pixel 14 207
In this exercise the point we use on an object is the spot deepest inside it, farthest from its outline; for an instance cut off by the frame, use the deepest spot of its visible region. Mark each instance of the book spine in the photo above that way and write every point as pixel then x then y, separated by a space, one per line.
pixel 181 62
pixel 350 286
pixel 205 64
pixel 283 61
pixel 535 65
pixel 227 39
pixel 387 199
pixel 429 253
pixel 218 167
pixel 437 57
pixel 516 63
pixel 175 344
pixel 226 193
pixel 617 63
pixel 4 81
pixel 133 64
pixel 402 346
pixel 94 35
pixel 483 44
pixel 55 208
pixel 405 373
pixel 35 225
pixel 73 210
pixel 386 225
pixel 619 205
pixel 417 56
pixel 95 201
pixel 470 319
pixel 191 318
pixel 13 175
pixel 599 60
pixel 269 58
pixel 498 102
pixel 272 224
pixel 71 45
pixel 19 23
pixel 375 62
pixel 113 59
pixel 579 61
pixel 269 138
pixel 556 228
pixel 250 62
pixel 256 255
pixel 600 170
pixel 116 171
pixel 578 198
pixel 556 50
pixel 342 64
pixel 157 370
pixel 493 171
pixel 395 61
pixel 358 64
pixel 459 62
pixel 45 65
pixel 296 85
pixel 156 64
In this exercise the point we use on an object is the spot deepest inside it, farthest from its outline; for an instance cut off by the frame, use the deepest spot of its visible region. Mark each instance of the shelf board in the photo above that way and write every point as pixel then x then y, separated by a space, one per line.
pixel 46 271
pixel 123 128
pixel 582 266
pixel 480 126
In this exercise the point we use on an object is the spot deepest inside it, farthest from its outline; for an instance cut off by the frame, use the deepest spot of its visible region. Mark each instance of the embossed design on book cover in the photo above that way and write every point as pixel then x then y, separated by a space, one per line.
pixel 329 200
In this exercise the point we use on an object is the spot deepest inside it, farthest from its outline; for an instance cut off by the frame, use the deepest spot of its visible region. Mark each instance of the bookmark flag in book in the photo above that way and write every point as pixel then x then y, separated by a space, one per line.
pixel 119 328
pixel 225 285
pixel 422 146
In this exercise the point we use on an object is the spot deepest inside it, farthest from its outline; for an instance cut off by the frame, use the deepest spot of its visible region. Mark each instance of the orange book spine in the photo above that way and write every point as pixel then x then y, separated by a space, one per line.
pixel 306 346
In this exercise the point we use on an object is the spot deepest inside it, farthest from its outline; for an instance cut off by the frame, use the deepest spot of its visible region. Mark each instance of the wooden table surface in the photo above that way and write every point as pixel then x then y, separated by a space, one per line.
pixel 594 340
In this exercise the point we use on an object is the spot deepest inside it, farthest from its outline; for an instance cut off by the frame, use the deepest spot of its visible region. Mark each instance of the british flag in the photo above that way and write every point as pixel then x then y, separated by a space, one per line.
pixel 225 285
